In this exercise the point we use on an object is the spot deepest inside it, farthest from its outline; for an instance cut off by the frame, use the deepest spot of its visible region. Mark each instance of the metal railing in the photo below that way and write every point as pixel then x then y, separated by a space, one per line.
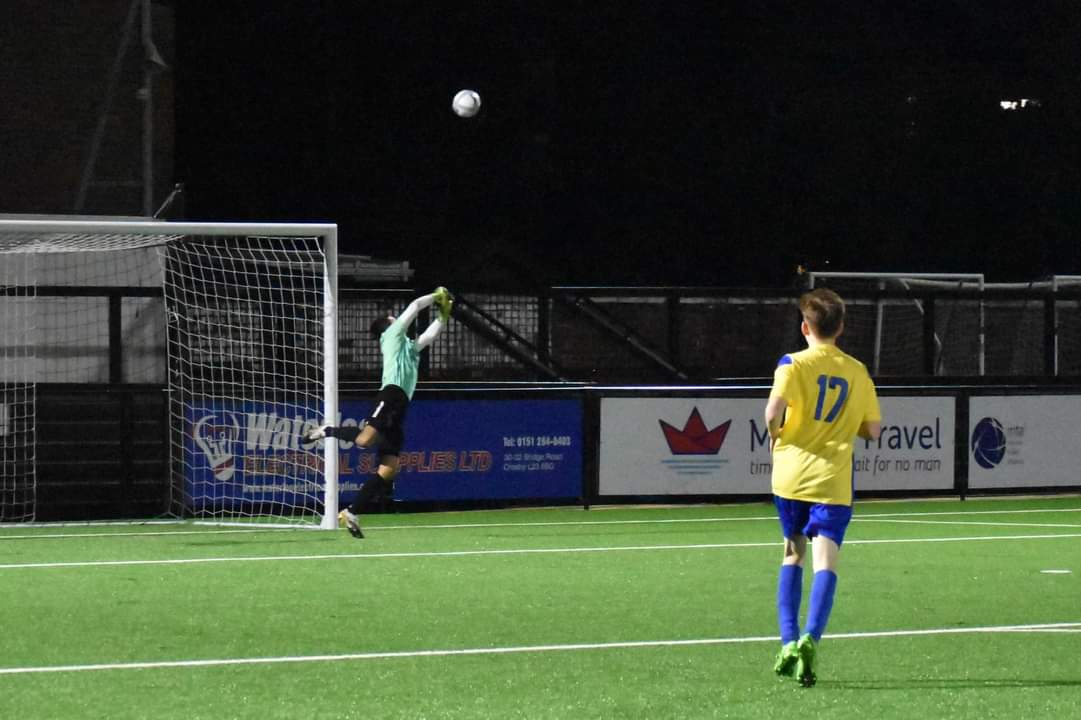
pixel 662 335
pixel 676 335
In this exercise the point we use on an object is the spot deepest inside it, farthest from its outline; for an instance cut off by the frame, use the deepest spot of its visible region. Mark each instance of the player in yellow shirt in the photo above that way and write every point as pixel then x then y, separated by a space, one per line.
pixel 821 400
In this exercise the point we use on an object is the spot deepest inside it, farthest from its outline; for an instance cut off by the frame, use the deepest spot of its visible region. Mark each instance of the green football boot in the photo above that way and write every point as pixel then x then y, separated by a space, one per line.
pixel 806 649
pixel 785 665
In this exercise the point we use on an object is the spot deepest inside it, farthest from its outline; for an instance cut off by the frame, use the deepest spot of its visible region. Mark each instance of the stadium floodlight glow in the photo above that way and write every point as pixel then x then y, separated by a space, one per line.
pixel 238 321
pixel 1019 104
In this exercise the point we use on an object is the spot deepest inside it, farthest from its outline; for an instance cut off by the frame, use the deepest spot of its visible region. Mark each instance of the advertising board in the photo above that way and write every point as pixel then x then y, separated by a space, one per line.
pixel 1022 441
pixel 454 450
pixel 719 446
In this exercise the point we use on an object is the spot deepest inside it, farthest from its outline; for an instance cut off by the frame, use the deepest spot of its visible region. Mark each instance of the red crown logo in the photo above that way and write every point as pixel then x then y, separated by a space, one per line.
pixel 695 438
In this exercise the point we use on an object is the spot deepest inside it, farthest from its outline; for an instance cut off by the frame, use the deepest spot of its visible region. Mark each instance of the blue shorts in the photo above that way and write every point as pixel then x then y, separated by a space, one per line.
pixel 800 517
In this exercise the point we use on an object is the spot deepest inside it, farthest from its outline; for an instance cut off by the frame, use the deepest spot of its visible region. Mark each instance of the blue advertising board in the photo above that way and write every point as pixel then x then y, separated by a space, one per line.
pixel 250 453
pixel 480 450
pixel 239 455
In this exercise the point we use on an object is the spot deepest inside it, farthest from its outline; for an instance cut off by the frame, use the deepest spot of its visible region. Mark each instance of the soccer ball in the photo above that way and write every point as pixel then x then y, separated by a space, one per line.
pixel 466 103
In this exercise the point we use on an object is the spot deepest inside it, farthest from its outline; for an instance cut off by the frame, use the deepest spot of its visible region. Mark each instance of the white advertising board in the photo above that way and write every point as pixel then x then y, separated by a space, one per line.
pixel 1022 441
pixel 917 447
pixel 719 446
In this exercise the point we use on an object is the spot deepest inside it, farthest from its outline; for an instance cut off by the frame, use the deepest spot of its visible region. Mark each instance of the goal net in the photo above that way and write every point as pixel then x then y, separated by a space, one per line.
pixel 888 332
pixel 236 322
pixel 996 329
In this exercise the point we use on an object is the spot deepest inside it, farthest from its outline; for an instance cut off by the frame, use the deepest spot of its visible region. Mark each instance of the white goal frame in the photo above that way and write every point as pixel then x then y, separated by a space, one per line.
pixel 327 232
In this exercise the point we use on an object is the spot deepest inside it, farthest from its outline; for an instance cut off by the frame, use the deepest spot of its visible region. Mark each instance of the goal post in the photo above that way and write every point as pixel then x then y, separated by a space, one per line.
pixel 237 321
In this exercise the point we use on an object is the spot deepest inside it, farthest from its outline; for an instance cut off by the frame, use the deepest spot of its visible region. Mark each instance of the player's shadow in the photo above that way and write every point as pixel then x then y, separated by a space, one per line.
pixel 947 684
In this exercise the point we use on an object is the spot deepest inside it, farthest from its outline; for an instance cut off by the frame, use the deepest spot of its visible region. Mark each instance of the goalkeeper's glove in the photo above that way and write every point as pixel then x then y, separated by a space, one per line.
pixel 445 301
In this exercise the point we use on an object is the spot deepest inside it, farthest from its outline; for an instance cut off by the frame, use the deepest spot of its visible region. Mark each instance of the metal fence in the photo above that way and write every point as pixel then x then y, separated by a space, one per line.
pixel 700 334
pixel 650 335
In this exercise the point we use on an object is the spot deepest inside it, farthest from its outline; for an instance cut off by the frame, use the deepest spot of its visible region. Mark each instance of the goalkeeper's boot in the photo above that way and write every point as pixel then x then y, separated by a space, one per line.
pixel 806 649
pixel 350 521
pixel 785 665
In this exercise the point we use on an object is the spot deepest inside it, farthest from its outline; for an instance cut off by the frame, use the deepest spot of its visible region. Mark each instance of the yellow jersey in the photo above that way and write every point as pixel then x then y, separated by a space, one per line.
pixel 829 394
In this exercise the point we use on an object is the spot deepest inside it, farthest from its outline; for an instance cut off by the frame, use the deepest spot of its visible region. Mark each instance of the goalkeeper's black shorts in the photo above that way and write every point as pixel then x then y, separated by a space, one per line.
pixel 388 417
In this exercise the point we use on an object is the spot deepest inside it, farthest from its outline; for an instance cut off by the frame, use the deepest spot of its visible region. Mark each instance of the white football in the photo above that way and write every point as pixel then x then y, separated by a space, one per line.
pixel 466 103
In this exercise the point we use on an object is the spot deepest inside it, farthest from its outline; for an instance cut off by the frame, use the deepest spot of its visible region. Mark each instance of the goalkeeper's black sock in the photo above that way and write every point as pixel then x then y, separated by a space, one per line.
pixel 370 490
pixel 350 432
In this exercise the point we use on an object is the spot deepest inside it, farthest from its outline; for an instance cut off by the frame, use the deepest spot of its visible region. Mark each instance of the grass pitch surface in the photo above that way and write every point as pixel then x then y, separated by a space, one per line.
pixel 944 609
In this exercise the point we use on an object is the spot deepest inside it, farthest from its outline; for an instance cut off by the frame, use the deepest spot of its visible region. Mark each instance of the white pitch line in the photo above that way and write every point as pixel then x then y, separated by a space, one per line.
pixel 217 662
pixel 376 556
pixel 151 533
pixel 102 523
pixel 509 551
pixel 975 512
pixel 959 539
pixel 756 518
pixel 553 523
pixel 971 522
pixel 440 526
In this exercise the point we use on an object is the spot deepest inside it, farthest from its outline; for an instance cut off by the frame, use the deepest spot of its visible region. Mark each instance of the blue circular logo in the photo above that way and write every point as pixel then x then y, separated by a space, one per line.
pixel 988 443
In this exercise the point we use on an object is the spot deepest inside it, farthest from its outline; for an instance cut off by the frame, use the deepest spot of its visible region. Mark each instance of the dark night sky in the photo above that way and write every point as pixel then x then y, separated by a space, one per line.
pixel 648 143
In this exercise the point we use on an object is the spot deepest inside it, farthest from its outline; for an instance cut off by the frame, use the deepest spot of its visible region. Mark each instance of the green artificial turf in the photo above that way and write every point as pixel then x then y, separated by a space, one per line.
pixel 546 602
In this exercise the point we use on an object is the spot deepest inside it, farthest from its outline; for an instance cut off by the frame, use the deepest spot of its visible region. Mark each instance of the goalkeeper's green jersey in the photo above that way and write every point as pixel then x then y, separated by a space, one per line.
pixel 401 359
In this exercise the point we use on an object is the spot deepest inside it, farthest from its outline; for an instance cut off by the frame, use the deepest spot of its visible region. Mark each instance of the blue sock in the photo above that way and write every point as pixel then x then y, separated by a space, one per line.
pixel 818 610
pixel 789 591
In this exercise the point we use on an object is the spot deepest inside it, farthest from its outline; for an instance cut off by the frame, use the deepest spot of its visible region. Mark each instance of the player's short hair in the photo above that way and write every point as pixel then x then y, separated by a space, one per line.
pixel 379 326
pixel 824 311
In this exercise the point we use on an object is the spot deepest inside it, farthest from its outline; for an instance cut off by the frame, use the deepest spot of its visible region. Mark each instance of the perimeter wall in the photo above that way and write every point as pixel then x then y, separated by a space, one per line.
pixel 485 429
pixel 103 450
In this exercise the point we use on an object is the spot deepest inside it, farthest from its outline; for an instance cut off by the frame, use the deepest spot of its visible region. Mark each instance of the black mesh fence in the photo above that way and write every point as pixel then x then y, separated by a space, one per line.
pixel 722 336
pixel 462 354
pixel 675 334
pixel 957 337
pixel 1068 317
pixel 1014 337
pixel 591 351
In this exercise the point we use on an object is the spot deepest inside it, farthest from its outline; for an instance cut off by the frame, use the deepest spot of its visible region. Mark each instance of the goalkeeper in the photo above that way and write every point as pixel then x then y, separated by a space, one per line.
pixel 384 428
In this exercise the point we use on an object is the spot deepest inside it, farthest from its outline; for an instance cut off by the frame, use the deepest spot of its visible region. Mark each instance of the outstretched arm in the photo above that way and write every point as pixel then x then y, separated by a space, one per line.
pixel 441 297
pixel 413 309
pixel 430 334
